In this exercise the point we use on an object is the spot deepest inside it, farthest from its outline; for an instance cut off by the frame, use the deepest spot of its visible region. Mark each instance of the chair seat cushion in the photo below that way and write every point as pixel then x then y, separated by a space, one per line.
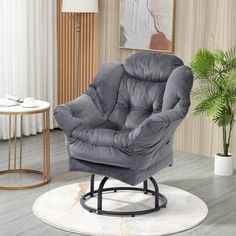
pixel 115 153
pixel 106 155
pixel 107 135
pixel 104 144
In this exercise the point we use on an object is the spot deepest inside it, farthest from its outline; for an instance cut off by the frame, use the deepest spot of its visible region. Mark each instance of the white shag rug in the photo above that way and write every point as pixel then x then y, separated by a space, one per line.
pixel 61 208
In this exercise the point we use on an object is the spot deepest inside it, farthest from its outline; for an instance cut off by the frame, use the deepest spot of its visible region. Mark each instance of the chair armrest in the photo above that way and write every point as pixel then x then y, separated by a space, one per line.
pixel 79 112
pixel 67 122
pixel 156 130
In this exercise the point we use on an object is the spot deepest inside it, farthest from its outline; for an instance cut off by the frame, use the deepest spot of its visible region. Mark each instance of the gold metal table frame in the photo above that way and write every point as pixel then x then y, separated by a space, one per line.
pixel 13 167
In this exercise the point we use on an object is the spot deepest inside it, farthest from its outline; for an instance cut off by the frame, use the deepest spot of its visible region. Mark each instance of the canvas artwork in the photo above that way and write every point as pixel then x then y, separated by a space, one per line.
pixel 147 24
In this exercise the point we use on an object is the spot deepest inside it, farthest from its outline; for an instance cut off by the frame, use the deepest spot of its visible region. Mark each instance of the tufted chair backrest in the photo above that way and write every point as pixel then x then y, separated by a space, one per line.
pixel 142 88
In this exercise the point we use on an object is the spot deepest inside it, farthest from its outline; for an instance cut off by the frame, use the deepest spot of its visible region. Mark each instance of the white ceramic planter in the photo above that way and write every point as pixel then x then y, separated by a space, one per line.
pixel 224 166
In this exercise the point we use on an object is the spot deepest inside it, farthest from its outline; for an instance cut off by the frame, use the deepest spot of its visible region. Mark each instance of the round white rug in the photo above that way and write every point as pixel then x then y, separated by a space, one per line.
pixel 61 208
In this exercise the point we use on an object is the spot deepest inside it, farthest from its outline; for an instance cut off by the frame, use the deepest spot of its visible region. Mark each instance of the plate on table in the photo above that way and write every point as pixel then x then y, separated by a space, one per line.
pixel 28 105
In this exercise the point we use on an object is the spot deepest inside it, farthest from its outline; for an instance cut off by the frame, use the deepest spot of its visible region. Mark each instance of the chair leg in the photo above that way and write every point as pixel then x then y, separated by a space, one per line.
pixel 145 187
pixel 100 190
pixel 92 185
pixel 156 189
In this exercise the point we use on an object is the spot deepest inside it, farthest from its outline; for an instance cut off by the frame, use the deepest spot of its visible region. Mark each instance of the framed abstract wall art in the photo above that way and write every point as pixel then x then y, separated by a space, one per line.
pixel 147 25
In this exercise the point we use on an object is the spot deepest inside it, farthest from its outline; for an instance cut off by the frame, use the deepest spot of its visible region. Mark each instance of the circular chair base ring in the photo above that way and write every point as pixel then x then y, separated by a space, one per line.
pixel 87 196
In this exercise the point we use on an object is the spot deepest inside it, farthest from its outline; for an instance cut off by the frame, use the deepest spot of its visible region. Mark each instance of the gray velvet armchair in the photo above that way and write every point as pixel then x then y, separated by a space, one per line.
pixel 123 125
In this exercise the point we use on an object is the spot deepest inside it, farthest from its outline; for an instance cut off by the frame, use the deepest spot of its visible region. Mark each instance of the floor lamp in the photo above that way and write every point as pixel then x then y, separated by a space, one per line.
pixel 79 6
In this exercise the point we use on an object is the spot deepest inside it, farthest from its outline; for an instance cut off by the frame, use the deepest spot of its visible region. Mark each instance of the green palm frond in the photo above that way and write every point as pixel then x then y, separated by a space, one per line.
pixel 230 60
pixel 230 54
pixel 219 56
pixel 232 78
pixel 204 92
pixel 210 106
pixel 203 64
pixel 223 118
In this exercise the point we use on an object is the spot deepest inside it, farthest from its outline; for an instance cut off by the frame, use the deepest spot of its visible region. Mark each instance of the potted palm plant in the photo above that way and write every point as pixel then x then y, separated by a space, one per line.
pixel 215 72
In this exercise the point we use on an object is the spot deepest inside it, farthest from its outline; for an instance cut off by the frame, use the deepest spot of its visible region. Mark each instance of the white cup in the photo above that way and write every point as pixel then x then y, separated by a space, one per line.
pixel 29 101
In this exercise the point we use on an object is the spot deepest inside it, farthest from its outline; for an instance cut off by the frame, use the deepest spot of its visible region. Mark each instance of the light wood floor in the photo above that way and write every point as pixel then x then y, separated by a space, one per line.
pixel 190 172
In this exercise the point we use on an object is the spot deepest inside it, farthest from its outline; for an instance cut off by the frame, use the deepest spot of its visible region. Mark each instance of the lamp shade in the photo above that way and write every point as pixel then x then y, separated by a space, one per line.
pixel 80 6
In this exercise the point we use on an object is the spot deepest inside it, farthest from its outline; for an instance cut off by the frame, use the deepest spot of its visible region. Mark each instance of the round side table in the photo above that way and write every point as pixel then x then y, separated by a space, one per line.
pixel 13 113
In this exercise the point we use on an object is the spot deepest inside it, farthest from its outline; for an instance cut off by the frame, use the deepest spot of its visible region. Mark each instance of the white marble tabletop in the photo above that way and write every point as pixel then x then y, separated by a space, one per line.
pixel 40 106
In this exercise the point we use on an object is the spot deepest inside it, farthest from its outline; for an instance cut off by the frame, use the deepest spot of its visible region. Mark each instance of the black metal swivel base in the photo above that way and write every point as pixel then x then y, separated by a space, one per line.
pixel 157 205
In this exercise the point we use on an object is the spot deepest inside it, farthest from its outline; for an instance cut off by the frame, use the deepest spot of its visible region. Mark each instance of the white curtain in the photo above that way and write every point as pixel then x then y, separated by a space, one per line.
pixel 28 56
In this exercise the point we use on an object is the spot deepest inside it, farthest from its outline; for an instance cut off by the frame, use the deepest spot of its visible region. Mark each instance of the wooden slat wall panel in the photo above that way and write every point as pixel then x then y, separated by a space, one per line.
pixel 66 38
pixel 88 45
pixel 77 53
